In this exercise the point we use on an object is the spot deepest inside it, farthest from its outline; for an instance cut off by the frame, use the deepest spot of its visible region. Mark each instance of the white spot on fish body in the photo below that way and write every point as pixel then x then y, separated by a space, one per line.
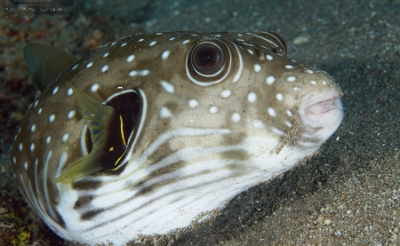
pixel 313 82
pixel 289 113
pixel 277 131
pixel 32 148
pixel 258 124
pixel 70 92
pixel 55 90
pixel 165 55
pixel 71 114
pixel 310 71
pixel 193 103
pixel 250 51
pixel 296 88
pixel 89 65
pixel 52 118
pixel 48 139
pixel 33 128
pixel 225 93
pixel 186 41
pixel 94 87
pixel 138 73
pixel 167 87
pixel 144 72
pixel 288 124
pixel 257 68
pixel 235 117
pixel 130 58
pixel 26 166
pixel 279 96
pixel 289 66
pixel 104 68
pixel 141 40
pixel 271 112
pixel 165 113
pixel 269 57
pixel 39 111
pixel 36 103
pixel 75 66
pixel 252 97
pixel 65 138
pixel 105 55
pixel 20 147
pixel 213 109
pixel 270 80
pixel 124 44
pixel 291 79
pixel 152 43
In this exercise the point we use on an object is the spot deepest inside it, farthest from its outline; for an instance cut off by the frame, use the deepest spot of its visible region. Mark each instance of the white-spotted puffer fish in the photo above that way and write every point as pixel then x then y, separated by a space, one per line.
pixel 154 132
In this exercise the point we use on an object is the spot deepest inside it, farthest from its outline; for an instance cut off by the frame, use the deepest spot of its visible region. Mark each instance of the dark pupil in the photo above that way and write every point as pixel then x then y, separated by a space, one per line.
pixel 206 57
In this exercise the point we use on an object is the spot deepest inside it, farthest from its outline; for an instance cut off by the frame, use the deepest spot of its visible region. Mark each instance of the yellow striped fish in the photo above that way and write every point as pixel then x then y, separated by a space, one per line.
pixel 154 132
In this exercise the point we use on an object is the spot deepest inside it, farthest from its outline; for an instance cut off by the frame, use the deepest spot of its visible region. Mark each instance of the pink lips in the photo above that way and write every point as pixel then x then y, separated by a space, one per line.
pixel 322 114
pixel 317 110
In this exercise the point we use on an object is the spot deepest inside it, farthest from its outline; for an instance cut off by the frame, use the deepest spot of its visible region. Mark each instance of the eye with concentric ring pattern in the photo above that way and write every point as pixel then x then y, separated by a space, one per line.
pixel 208 62
pixel 207 59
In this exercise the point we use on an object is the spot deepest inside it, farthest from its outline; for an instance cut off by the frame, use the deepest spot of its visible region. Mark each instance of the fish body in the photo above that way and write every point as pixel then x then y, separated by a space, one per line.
pixel 194 119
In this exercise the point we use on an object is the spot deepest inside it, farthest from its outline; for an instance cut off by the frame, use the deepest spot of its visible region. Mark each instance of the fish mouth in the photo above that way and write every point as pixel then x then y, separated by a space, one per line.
pixel 321 115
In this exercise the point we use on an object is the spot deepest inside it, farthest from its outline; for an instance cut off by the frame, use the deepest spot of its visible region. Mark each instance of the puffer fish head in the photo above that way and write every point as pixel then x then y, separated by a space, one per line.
pixel 153 132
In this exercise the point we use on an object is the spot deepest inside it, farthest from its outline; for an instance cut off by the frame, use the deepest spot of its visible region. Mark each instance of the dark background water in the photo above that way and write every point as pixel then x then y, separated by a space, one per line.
pixel 348 194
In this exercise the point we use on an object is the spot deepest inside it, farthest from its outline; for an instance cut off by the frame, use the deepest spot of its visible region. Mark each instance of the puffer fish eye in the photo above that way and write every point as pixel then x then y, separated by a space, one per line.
pixel 207 58
pixel 209 62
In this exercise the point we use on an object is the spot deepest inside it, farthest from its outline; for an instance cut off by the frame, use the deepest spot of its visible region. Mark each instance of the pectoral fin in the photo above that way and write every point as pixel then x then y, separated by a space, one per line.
pixel 98 118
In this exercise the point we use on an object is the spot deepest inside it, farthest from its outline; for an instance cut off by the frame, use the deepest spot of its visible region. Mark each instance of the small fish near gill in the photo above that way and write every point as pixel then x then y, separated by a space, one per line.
pixel 154 132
